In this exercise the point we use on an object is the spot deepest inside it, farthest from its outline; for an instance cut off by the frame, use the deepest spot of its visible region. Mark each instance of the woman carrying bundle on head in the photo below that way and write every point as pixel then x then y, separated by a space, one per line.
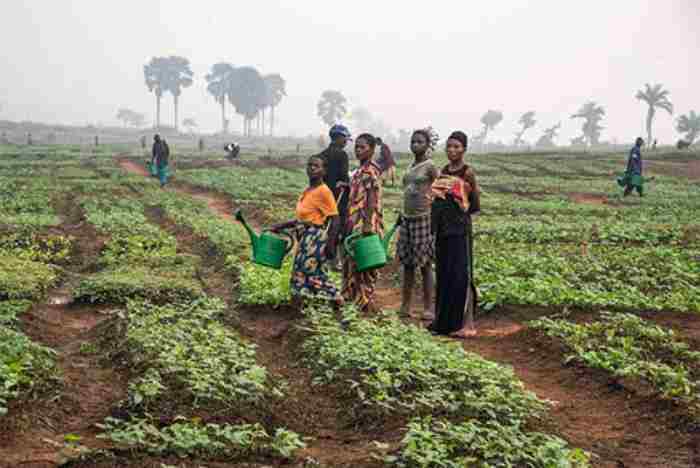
pixel 415 247
pixel 315 231
pixel 365 216
pixel 455 200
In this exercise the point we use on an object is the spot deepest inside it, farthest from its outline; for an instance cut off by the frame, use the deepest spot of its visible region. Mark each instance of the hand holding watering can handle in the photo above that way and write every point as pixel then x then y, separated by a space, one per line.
pixel 348 243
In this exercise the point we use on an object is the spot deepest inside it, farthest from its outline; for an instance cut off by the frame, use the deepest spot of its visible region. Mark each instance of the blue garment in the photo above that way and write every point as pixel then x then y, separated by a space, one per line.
pixel 163 174
pixel 634 162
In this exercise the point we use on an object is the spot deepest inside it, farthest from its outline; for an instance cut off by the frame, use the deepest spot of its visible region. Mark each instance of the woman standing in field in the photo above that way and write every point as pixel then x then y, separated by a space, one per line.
pixel 415 247
pixel 455 200
pixel 315 230
pixel 364 215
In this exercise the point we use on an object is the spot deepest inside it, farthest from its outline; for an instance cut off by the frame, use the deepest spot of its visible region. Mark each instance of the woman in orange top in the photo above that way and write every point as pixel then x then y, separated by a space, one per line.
pixel 315 231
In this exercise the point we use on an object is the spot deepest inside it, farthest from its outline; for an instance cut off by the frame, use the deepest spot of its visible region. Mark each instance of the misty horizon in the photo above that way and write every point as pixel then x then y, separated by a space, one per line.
pixel 78 62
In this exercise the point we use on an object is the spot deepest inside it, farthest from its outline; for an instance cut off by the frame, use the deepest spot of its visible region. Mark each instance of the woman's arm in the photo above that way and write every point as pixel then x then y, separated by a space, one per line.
pixel 333 230
pixel 283 226
pixel 372 194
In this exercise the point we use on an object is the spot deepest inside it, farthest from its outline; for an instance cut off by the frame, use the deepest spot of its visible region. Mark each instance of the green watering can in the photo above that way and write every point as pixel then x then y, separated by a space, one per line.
pixel 369 252
pixel 634 180
pixel 152 168
pixel 268 249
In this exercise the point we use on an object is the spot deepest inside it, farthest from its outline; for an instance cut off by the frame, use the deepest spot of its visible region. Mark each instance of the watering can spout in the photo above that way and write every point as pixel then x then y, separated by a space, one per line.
pixel 387 237
pixel 253 237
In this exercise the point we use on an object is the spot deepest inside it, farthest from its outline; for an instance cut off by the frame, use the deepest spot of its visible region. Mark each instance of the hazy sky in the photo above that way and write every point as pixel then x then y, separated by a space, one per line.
pixel 411 63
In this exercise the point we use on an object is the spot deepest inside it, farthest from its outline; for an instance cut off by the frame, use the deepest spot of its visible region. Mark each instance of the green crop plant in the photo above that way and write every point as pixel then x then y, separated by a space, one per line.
pixel 193 438
pixel 183 346
pixel 24 279
pixel 24 366
pixel 160 285
pixel 627 346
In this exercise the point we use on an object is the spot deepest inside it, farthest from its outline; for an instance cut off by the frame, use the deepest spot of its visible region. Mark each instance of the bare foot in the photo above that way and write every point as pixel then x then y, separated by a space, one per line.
pixel 462 334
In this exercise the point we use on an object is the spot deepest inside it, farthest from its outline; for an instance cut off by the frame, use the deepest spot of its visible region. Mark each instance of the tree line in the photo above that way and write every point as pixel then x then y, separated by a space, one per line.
pixel 332 108
pixel 250 93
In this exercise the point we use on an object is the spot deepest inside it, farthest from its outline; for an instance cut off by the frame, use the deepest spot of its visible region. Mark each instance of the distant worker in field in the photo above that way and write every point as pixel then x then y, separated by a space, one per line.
pixel 232 151
pixel 160 155
pixel 337 176
pixel 200 145
pixel 416 245
pixel 633 175
pixel 143 142
pixel 682 144
pixel 385 161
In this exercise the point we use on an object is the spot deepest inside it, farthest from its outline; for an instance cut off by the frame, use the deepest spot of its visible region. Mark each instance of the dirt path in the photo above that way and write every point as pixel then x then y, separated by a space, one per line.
pixel 622 430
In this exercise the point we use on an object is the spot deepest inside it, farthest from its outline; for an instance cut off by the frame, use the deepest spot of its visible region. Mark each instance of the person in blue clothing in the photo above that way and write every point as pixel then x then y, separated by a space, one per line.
pixel 161 154
pixel 337 176
pixel 633 174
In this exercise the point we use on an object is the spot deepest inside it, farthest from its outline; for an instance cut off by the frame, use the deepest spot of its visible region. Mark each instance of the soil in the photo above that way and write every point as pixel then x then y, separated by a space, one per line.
pixel 591 198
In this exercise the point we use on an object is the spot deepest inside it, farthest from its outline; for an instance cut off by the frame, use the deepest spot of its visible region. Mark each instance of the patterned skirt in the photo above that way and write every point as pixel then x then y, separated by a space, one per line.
pixel 309 276
pixel 416 245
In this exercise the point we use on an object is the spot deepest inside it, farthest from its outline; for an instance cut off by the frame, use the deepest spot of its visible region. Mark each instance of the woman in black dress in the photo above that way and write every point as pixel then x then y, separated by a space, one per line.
pixel 455 200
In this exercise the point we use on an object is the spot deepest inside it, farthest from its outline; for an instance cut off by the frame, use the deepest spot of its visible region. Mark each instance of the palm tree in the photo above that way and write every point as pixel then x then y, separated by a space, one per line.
pixel 690 125
pixel 217 85
pixel 547 139
pixel 130 117
pixel 246 92
pixel 592 114
pixel 527 120
pixel 156 73
pixel 180 77
pixel 654 97
pixel 277 89
pixel 332 107
pixel 489 120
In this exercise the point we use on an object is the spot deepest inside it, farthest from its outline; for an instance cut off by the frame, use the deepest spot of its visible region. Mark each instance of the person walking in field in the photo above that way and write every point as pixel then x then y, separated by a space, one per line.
pixel 415 247
pixel 315 230
pixel 337 176
pixel 455 199
pixel 385 161
pixel 633 174
pixel 365 216
pixel 160 158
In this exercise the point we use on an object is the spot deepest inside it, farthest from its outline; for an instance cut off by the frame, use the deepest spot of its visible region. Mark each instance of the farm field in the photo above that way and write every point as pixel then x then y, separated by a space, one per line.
pixel 135 331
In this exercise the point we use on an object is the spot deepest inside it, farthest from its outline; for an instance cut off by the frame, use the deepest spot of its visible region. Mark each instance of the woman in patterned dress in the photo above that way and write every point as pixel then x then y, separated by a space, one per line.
pixel 315 232
pixel 415 247
pixel 365 216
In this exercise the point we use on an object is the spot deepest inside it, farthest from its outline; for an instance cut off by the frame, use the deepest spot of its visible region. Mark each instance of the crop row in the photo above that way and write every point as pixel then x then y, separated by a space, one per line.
pixel 462 408
pixel 181 361
pixel 27 256
pixel 604 276
pixel 629 347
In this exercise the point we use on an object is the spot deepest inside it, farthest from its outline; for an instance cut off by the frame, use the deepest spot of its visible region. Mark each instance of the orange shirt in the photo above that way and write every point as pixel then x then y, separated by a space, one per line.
pixel 316 204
